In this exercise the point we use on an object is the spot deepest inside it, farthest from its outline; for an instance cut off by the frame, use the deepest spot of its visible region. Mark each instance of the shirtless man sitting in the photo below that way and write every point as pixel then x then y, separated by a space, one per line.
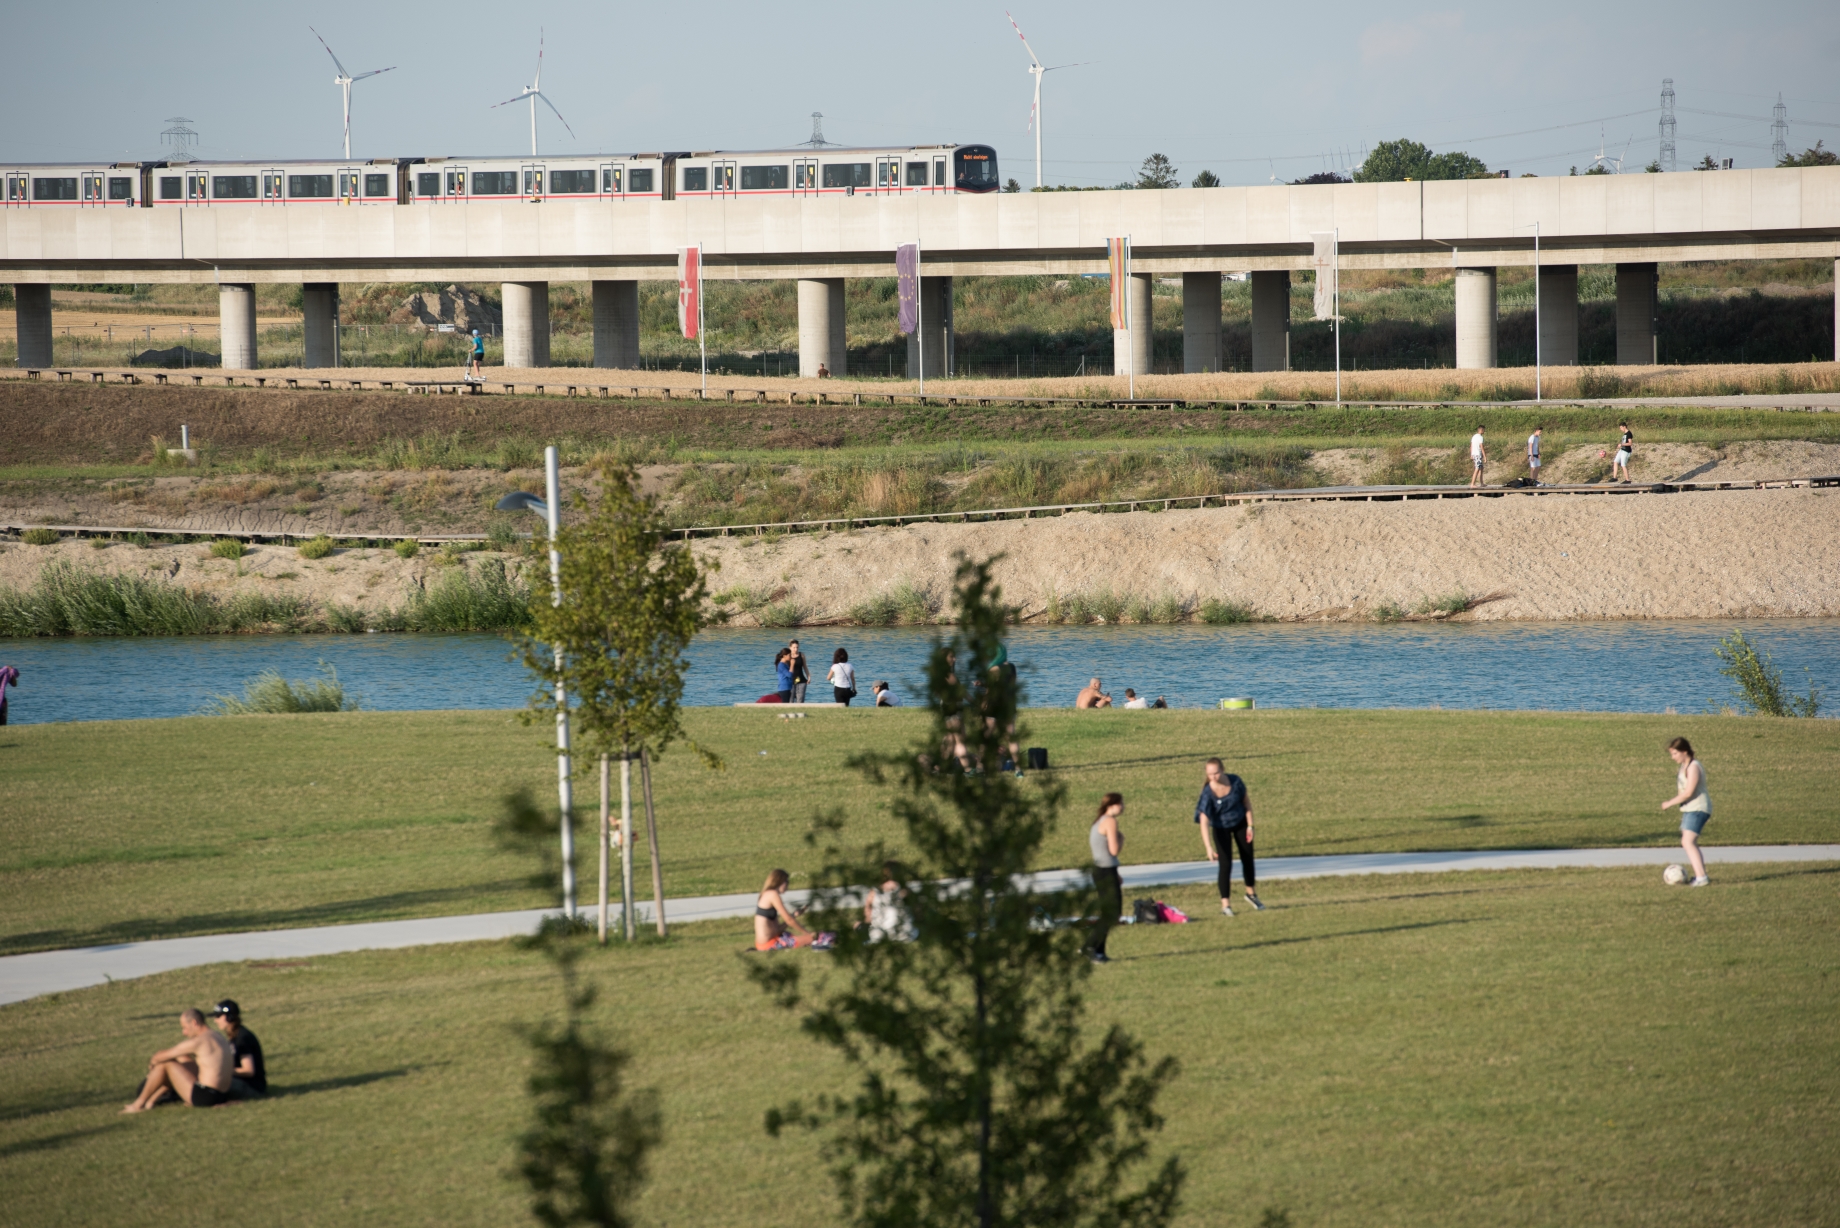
pixel 1093 697
pixel 198 1069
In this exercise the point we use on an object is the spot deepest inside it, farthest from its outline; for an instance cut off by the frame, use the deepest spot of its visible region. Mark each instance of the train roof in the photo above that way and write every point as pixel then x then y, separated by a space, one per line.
pixel 796 151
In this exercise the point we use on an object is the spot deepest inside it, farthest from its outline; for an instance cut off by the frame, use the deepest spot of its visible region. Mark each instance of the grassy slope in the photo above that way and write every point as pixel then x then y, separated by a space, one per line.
pixel 137 829
pixel 1564 1047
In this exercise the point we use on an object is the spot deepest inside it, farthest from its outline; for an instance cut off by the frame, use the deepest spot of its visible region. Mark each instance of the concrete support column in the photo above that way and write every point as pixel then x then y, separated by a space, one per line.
pixel 821 333
pixel 1837 309
pixel 616 325
pixel 935 326
pixel 1271 321
pixel 1135 344
pixel 1475 319
pixel 1636 304
pixel 526 323
pixel 320 326
pixel 1559 315
pixel 32 314
pixel 236 324
pixel 1200 322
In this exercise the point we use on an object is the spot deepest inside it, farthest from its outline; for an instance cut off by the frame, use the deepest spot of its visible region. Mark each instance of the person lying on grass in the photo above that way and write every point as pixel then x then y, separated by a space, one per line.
pixel 776 927
pixel 197 1069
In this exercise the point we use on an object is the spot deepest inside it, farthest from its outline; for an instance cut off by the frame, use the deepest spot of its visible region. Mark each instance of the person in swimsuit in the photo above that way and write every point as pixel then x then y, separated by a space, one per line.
pixel 1106 842
pixel 198 1069
pixel 1695 805
pixel 1091 696
pixel 1225 815
pixel 776 927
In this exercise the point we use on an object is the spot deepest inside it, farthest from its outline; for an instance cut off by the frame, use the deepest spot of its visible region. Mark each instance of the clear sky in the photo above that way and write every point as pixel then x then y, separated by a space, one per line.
pixel 1251 92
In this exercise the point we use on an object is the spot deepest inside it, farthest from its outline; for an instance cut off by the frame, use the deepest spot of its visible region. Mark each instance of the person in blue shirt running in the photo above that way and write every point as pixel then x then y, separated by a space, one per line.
pixel 476 367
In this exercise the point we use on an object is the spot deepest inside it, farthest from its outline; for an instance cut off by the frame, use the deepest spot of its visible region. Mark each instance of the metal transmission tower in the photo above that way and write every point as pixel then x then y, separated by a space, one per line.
pixel 1666 157
pixel 180 138
pixel 817 133
pixel 1779 131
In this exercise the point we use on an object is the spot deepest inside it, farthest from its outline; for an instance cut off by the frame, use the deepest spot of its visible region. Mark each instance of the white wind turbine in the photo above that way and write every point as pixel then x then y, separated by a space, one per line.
pixel 533 92
pixel 1037 71
pixel 343 81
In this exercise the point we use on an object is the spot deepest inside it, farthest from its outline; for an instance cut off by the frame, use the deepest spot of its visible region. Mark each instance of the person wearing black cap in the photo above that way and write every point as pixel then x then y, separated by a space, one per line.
pixel 249 1075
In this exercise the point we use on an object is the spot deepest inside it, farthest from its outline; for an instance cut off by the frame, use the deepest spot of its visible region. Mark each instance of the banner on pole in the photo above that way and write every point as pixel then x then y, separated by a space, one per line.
pixel 689 290
pixel 1118 256
pixel 907 275
pixel 1323 260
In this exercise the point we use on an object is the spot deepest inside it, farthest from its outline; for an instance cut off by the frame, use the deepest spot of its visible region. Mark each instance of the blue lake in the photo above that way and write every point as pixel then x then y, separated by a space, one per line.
pixel 1589 667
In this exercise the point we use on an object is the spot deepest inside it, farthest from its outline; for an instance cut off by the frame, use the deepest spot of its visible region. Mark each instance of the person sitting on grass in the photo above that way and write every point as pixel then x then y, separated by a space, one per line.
pixel 1133 700
pixel 776 927
pixel 1092 697
pixel 197 1069
pixel 249 1076
pixel 884 696
pixel 885 917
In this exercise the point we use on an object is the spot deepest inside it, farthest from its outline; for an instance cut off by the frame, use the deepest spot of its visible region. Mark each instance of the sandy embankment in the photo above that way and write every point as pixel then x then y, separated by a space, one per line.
pixel 1697 555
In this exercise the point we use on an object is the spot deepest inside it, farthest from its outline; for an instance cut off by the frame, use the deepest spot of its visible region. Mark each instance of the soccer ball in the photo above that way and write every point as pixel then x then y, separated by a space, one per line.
pixel 1673 876
pixel 1601 455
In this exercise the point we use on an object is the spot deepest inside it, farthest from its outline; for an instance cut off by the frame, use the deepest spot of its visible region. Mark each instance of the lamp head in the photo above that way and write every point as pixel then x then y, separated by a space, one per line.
pixel 520 501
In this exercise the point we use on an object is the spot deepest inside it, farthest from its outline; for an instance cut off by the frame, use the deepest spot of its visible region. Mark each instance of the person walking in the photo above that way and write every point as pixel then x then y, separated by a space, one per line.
pixel 783 669
pixel 1107 842
pixel 801 671
pixel 1478 457
pixel 842 678
pixel 476 368
pixel 1533 455
pixel 1625 451
pixel 1695 805
pixel 1224 814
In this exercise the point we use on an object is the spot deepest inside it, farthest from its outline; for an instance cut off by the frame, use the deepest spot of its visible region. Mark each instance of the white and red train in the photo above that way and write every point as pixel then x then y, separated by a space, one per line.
pixel 918 169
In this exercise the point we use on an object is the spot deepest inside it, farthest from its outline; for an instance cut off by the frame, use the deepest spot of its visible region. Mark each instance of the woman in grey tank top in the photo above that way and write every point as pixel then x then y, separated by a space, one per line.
pixel 1694 802
pixel 1106 842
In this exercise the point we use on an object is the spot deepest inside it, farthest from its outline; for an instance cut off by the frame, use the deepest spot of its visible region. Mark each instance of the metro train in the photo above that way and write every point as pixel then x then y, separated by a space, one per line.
pixel 714 174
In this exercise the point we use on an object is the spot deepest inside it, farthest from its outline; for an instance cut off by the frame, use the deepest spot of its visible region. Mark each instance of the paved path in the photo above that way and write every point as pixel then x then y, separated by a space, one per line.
pixel 27 976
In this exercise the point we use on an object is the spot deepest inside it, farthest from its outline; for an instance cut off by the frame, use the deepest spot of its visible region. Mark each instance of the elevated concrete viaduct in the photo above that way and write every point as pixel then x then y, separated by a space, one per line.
pixel 1635 222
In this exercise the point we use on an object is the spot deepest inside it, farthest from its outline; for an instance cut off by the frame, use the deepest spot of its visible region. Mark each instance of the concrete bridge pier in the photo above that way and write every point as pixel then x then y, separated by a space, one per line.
pixel 526 323
pixel 1271 321
pixel 1200 322
pixel 319 303
pixel 821 319
pixel 935 325
pixel 1135 344
pixel 1637 303
pixel 32 315
pixel 236 324
pixel 616 325
pixel 1559 315
pixel 1475 319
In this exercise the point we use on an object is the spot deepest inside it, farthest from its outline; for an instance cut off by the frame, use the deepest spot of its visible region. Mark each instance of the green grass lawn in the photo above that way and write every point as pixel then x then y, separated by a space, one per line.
pixel 1524 1048
pixel 117 831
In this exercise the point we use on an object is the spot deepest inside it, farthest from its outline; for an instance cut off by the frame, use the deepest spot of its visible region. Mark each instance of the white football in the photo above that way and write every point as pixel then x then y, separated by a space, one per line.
pixel 1673 876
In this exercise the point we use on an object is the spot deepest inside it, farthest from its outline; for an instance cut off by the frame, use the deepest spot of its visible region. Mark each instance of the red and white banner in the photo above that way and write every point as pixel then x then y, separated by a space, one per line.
pixel 690 290
pixel 1118 254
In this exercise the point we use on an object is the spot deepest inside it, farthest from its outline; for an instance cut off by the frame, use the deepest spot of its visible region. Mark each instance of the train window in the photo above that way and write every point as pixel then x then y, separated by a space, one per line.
pixel 533 181
pixel 495 183
pixel 801 175
pixel 171 188
pixel 310 185
pixel 846 175
pixel 640 180
pixel 610 180
pixel 121 188
pixel 696 178
pixel 233 187
pixel 977 168
pixel 428 183
pixel 763 178
pixel 55 189
pixel 571 181
pixel 377 185
pixel 916 174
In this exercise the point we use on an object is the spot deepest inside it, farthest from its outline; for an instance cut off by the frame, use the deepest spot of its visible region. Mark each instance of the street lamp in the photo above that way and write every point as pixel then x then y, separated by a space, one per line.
pixel 519 501
pixel 1537 391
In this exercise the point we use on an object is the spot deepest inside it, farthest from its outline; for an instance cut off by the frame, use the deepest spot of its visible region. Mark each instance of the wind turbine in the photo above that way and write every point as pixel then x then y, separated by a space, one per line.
pixel 533 92
pixel 343 81
pixel 1037 71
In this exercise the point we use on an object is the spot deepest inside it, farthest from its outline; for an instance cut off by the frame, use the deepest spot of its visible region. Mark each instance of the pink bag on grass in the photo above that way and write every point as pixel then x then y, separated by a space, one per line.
pixel 1172 915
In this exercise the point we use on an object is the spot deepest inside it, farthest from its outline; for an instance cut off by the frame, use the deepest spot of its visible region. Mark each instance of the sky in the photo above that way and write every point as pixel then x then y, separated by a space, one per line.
pixel 1253 93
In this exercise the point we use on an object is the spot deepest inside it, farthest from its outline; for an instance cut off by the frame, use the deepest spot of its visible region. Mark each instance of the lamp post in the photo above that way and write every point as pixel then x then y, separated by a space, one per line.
pixel 550 511
pixel 1537 390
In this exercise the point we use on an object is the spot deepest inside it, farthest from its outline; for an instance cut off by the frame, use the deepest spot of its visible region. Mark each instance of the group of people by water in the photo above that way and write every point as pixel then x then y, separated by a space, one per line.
pixel 792 675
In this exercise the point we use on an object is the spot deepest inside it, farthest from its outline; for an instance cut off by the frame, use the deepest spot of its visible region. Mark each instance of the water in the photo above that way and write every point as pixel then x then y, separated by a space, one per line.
pixel 1585 667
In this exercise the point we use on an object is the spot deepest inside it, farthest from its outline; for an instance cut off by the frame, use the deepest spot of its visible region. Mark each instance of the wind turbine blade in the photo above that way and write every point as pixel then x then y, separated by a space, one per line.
pixel 1023 37
pixel 1081 64
pixel 507 102
pixel 552 106
pixel 335 59
pixel 374 72
pixel 539 81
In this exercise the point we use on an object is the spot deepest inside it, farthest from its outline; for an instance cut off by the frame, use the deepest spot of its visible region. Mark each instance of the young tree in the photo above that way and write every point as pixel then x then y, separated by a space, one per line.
pixel 981 1100
pixel 1816 156
pixel 1393 161
pixel 631 604
pixel 1012 186
pixel 1157 172
pixel 1321 177
pixel 1206 179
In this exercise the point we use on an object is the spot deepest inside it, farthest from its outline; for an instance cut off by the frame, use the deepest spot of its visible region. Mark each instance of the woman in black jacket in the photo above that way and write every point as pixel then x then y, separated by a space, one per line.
pixel 1224 814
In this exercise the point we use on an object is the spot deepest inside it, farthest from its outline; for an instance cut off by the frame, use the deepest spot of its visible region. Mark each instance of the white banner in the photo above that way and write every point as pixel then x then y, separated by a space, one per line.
pixel 1323 260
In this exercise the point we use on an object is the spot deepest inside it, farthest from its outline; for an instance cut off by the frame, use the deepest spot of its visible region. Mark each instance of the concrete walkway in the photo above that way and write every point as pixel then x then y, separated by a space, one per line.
pixel 43 972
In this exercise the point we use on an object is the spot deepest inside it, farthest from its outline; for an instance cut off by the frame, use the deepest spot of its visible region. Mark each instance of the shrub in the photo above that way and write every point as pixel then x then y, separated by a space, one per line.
pixel 879 611
pixel 1758 683
pixel 269 692
pixel 68 600
pixel 486 599
pixel 41 537
pixel 500 533
pixel 1453 602
pixel 407 548
pixel 139 539
pixel 786 613
pixel 1107 606
pixel 228 548
pixel 100 543
pixel 348 619
pixel 316 548
pixel 1388 612
pixel 249 611
pixel 1217 613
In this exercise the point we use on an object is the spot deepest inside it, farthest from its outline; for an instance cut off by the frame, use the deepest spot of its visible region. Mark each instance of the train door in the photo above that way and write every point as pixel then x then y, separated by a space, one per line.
pixel 16 189
pixel 805 177
pixel 273 190
pixel 89 190
pixel 612 180
pixel 722 178
pixel 350 185
pixel 197 188
pixel 532 175
pixel 939 175
pixel 887 175
pixel 456 183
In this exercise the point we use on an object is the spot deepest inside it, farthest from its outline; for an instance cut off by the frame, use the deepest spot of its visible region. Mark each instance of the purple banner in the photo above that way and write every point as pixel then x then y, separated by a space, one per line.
pixel 907 272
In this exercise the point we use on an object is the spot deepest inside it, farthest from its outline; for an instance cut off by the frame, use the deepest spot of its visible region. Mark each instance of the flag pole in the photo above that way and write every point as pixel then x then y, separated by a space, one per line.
pixel 1130 326
pixel 1337 269
pixel 702 342
pixel 920 313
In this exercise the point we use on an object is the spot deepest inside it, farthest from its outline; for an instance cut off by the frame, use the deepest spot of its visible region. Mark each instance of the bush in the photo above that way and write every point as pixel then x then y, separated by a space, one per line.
pixel 1216 613
pixel 1758 682
pixel 67 600
pixel 251 611
pixel 1388 612
pixel 783 614
pixel 228 548
pixel 348 619
pixel 316 548
pixel 500 533
pixel 100 543
pixel 269 692
pixel 407 548
pixel 41 537
pixel 483 600
pixel 1454 602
